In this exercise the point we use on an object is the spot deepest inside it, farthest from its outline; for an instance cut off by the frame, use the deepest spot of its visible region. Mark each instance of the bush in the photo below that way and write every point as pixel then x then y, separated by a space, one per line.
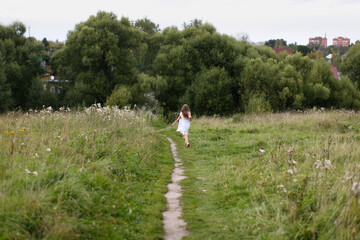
pixel 257 104
pixel 121 97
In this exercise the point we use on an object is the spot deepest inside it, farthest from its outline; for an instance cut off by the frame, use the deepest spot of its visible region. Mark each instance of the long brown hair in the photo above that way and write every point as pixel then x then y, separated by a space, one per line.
pixel 185 111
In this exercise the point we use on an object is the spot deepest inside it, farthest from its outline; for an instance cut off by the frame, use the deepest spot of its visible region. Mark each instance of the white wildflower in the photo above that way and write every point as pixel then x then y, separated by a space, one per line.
pixel 294 162
pixel 48 150
pixel 318 164
pixel 35 173
pixel 355 187
pixel 327 164
pixel 36 155
pixel 27 171
pixel 261 150
pixel 290 171
pixel 350 127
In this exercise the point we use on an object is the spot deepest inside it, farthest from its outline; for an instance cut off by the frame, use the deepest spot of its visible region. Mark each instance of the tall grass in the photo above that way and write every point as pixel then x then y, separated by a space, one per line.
pixel 273 176
pixel 93 174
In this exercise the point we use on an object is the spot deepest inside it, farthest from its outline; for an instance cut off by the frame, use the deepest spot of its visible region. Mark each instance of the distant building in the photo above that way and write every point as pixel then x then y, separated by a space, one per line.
pixel 279 50
pixel 318 41
pixel 341 42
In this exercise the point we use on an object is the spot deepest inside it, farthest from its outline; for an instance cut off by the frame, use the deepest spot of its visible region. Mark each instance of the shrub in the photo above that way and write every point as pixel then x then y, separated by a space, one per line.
pixel 257 104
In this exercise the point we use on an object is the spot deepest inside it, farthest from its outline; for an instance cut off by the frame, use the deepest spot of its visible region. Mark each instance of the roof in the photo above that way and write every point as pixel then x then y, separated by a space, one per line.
pixel 329 56
pixel 335 72
pixel 279 50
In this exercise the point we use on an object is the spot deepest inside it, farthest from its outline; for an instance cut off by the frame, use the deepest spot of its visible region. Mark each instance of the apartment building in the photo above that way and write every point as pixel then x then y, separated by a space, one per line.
pixel 341 42
pixel 318 41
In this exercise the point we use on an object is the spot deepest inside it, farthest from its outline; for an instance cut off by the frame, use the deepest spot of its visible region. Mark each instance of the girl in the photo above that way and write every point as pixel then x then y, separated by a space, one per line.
pixel 184 123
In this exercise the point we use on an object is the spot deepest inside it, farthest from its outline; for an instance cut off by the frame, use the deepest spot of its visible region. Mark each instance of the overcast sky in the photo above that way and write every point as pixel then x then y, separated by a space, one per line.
pixel 292 20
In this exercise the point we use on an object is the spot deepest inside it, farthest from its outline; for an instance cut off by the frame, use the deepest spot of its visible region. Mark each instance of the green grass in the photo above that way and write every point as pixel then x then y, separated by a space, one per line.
pixel 98 174
pixel 235 192
pixel 102 173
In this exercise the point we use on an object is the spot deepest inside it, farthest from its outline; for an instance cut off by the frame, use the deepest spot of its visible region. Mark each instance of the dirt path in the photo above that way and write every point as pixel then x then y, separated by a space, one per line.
pixel 174 226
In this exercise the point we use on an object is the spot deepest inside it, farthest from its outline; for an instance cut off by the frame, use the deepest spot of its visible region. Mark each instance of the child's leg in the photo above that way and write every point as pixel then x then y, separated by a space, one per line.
pixel 186 139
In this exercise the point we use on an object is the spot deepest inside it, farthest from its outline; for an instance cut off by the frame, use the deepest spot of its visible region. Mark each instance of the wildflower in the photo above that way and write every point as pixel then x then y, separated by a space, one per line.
pixel 27 171
pixel 12 132
pixel 355 188
pixel 36 155
pixel 261 150
pixel 327 164
pixel 350 127
pixel 6 132
pixel 22 130
pixel 294 162
pixel 318 164
pixel 48 150
pixel 290 171
pixel 281 187
pixel 35 173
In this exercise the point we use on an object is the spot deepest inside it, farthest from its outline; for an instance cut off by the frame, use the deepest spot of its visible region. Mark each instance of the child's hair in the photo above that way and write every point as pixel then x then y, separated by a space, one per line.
pixel 185 111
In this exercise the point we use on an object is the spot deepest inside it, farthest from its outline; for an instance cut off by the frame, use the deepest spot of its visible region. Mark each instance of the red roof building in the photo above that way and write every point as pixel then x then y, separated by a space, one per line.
pixel 279 50
pixel 318 41
pixel 341 42
pixel 335 72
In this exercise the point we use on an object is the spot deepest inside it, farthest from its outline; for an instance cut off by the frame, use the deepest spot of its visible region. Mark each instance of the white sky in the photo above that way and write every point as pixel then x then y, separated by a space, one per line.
pixel 292 20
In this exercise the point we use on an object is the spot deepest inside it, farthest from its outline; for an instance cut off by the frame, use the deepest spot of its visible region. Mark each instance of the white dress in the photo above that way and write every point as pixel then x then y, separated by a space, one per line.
pixel 184 125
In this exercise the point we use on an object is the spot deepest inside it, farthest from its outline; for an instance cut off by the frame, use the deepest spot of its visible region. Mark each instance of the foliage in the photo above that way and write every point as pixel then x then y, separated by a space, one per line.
pixel 257 104
pixel 351 64
pixel 120 97
pixel 19 67
pixel 304 50
pixel 5 92
pixel 99 55
pixel 150 44
pixel 276 43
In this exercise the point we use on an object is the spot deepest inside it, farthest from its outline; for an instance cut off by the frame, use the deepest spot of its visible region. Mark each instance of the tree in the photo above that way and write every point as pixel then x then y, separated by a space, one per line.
pixel 211 92
pixel 151 43
pixel 99 55
pixel 276 43
pixel 21 65
pixel 5 92
pixel 351 64
pixel 304 50
pixel 197 50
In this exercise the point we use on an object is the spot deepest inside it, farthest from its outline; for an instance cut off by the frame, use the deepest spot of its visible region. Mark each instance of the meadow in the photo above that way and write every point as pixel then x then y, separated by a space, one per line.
pixel 99 173
pixel 274 176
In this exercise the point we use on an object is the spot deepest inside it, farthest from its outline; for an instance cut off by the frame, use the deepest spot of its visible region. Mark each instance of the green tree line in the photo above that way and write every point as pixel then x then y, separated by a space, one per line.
pixel 121 62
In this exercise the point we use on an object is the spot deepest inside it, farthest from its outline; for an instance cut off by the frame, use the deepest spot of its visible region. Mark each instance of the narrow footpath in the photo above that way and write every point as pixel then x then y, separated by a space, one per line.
pixel 174 226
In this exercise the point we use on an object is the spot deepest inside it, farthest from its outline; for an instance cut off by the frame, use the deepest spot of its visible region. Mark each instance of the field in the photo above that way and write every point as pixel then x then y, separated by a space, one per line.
pixel 101 174
pixel 95 174
pixel 278 176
